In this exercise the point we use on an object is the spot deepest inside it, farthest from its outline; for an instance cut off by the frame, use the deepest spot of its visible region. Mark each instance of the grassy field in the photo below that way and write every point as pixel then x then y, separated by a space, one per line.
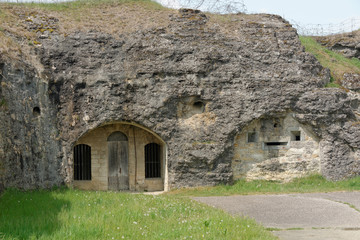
pixel 71 214
pixel 74 214
pixel 337 63
pixel 313 183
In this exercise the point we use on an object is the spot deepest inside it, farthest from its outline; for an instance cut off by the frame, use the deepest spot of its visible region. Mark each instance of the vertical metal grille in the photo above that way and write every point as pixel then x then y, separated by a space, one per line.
pixel 152 161
pixel 82 162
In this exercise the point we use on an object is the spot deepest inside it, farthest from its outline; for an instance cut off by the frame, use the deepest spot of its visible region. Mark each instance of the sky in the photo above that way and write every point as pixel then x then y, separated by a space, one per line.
pixel 308 11
pixel 303 11
pixel 334 15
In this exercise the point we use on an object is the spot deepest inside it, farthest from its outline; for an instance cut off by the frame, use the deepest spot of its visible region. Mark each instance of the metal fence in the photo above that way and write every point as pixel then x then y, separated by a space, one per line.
pixel 234 6
pixel 35 1
pixel 348 25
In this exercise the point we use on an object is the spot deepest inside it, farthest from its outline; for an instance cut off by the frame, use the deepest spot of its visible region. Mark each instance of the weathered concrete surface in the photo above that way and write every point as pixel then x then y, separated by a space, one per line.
pixel 352 198
pixel 255 159
pixel 319 234
pixel 318 214
pixel 156 78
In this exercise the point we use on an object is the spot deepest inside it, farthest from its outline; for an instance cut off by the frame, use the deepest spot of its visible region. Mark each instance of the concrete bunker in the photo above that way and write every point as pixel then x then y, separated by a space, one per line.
pixel 275 148
pixel 120 156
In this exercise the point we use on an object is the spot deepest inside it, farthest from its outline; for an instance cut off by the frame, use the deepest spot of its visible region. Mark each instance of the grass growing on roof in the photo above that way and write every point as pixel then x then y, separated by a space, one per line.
pixel 114 17
pixel 109 16
pixel 78 4
pixel 337 63
pixel 71 214
pixel 312 183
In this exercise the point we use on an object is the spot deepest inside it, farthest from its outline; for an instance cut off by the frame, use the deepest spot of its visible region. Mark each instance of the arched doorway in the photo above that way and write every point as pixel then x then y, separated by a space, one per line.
pixel 125 156
pixel 118 174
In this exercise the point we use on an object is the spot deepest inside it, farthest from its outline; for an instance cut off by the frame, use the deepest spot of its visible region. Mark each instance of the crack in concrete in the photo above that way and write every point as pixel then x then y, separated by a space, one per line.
pixel 346 203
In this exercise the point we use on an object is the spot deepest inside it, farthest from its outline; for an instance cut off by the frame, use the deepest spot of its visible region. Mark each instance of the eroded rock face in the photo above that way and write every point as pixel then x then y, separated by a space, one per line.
pixel 193 85
pixel 351 81
pixel 29 142
pixel 347 44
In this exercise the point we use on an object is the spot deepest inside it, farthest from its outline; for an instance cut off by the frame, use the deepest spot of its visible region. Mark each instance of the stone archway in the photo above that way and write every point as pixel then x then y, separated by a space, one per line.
pixel 121 158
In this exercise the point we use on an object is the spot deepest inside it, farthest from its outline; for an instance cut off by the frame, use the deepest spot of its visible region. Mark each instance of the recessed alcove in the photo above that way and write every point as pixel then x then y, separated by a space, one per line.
pixel 199 105
pixel 36 111
pixel 295 136
pixel 190 106
pixel 252 137
pixel 279 140
pixel 123 156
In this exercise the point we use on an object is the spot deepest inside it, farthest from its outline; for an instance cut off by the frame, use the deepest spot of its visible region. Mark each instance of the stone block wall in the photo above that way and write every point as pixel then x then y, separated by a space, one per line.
pixel 137 139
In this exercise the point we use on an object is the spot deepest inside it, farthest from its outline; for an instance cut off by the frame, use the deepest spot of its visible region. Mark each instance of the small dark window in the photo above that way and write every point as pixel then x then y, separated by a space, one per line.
pixel 82 162
pixel 36 111
pixel 295 136
pixel 198 104
pixel 276 143
pixel 152 161
pixel 276 122
pixel 252 137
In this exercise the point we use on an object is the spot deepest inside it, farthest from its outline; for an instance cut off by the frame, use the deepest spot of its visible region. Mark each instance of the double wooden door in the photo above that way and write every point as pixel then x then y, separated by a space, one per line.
pixel 118 171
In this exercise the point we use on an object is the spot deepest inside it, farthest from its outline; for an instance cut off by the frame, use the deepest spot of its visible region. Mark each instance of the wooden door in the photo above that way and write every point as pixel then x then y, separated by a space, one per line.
pixel 118 174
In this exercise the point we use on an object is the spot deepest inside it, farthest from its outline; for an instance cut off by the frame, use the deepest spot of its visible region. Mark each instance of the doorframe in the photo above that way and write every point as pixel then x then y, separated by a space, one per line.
pixel 163 145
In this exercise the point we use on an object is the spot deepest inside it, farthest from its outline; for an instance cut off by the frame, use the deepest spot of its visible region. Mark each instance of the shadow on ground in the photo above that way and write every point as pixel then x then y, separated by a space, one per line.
pixel 30 215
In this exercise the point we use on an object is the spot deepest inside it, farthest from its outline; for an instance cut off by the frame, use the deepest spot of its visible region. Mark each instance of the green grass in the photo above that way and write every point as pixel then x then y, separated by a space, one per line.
pixel 313 183
pixel 71 214
pixel 2 102
pixel 337 63
pixel 74 214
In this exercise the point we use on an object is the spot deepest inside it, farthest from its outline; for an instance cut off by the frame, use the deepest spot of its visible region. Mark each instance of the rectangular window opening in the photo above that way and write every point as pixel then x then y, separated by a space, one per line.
pixel 295 136
pixel 276 143
pixel 252 137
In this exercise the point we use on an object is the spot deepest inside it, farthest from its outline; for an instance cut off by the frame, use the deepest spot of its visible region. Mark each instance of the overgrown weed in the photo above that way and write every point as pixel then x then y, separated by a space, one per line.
pixel 337 63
